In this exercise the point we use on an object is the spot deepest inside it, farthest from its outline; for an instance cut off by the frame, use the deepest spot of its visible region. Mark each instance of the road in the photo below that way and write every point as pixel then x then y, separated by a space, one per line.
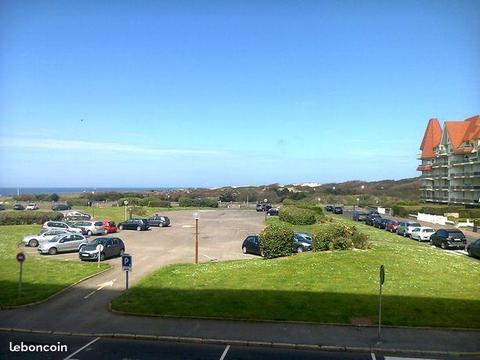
pixel 94 348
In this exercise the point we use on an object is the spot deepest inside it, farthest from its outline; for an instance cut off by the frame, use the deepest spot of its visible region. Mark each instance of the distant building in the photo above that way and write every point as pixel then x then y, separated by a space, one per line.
pixel 451 163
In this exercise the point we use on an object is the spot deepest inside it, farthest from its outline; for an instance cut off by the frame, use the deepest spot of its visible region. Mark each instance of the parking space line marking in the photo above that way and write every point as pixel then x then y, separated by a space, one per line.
pixel 69 357
pixel 373 357
pixel 225 352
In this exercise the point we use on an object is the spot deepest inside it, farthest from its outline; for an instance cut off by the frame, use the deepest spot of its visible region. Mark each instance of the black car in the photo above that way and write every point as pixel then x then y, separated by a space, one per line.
pixel 448 238
pixel 251 245
pixel 60 207
pixel 359 216
pixel 134 224
pixel 160 221
pixel 2 207
pixel 377 221
pixel 381 224
pixel 338 210
pixel 18 207
pixel 473 249
pixel 329 208
pixel 369 219
pixel 272 212
pixel 111 247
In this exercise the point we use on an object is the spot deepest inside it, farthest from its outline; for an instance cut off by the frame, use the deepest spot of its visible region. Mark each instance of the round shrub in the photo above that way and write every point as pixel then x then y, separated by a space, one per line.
pixel 360 241
pixel 342 244
pixel 326 235
pixel 297 216
pixel 276 240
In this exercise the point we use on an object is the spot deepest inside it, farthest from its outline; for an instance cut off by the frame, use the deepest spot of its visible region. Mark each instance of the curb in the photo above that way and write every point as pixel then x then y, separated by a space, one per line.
pixel 277 345
pixel 11 307
pixel 280 322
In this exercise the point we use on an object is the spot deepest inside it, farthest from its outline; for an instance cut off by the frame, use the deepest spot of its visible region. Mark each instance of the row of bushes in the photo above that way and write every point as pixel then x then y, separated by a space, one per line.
pixel 276 239
pixel 145 201
pixel 404 211
pixel 28 217
pixel 297 216
pixel 198 202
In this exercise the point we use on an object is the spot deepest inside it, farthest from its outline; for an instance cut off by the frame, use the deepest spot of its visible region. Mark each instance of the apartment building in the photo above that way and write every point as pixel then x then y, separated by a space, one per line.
pixel 450 162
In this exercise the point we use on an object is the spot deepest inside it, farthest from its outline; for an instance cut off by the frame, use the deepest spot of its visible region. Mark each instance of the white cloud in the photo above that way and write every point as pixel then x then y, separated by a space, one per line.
pixel 55 144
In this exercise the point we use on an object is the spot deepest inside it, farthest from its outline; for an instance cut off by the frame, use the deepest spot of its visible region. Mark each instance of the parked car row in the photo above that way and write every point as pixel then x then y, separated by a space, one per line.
pixel 444 238
pixel 334 209
pixel 301 242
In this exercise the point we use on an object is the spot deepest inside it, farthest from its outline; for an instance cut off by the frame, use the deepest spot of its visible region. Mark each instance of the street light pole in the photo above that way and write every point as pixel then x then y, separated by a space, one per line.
pixel 196 217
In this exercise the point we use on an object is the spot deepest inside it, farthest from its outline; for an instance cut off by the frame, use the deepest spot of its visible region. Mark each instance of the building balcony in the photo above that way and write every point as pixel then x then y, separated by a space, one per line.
pixel 471 174
pixel 465 188
pixel 473 160
pixel 464 201
pixel 424 167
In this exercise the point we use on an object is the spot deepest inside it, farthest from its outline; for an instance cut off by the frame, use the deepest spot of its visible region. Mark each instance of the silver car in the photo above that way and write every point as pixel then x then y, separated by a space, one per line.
pixel 90 227
pixel 63 243
pixel 60 225
pixel 405 228
pixel 35 240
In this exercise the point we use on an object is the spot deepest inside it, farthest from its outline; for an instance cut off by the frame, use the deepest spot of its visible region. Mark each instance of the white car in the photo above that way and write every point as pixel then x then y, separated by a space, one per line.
pixel 422 233
pixel 91 227
pixel 35 240
pixel 60 225
pixel 32 206
pixel 63 243
pixel 77 215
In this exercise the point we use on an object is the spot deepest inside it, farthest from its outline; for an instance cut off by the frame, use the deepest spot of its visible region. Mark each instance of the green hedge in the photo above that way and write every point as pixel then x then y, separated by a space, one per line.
pixel 198 202
pixel 146 201
pixel 469 213
pixel 404 211
pixel 28 217
pixel 330 236
pixel 297 216
pixel 78 202
pixel 276 240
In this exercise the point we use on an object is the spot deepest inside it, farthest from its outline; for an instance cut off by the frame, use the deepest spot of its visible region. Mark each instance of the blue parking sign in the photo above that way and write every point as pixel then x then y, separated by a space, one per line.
pixel 126 262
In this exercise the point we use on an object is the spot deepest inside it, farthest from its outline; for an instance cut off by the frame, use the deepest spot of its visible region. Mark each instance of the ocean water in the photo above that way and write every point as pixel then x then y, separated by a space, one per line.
pixel 74 190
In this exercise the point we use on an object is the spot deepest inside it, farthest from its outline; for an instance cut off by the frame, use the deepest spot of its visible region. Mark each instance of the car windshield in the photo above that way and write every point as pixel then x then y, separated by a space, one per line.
pixel 428 230
pixel 98 241
pixel 56 238
pixel 455 234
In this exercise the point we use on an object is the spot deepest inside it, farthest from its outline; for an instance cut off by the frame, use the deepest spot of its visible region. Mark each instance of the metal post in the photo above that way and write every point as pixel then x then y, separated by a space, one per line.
pixel 20 279
pixel 98 258
pixel 196 241
pixel 380 313
pixel 125 206
pixel 126 279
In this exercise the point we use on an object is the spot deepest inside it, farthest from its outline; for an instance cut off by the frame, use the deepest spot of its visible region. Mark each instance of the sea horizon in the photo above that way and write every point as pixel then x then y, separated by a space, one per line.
pixel 9 191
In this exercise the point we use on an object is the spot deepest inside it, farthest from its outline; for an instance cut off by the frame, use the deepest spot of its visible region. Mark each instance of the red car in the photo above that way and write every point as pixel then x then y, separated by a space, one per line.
pixel 392 226
pixel 109 226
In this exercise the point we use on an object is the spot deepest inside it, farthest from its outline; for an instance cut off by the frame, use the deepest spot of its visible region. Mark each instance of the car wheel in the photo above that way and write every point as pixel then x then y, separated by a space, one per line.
pixel 120 227
pixel 299 250
pixel 122 251
pixel 105 232
pixel 52 251
pixel 244 249
pixel 33 243
pixel 81 248
pixel 89 233
pixel 102 256
pixel 469 251
pixel 139 228
pixel 444 245
pixel 262 253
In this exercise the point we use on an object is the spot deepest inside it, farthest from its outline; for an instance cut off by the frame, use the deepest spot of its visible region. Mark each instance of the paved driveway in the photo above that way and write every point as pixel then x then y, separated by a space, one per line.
pixel 83 306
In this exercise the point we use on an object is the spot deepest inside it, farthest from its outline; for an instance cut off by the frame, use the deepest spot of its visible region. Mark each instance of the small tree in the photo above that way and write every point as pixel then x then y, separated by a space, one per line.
pixel 54 197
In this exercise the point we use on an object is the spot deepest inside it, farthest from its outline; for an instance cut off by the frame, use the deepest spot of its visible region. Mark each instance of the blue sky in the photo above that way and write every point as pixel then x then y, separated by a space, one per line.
pixel 210 93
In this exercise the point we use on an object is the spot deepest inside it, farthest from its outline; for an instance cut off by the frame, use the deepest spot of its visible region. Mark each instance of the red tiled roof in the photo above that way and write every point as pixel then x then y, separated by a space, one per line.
pixel 462 131
pixel 431 139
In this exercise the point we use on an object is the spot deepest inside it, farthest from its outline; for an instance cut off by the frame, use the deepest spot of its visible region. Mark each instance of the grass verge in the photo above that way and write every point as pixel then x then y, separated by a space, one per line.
pixel 43 276
pixel 424 286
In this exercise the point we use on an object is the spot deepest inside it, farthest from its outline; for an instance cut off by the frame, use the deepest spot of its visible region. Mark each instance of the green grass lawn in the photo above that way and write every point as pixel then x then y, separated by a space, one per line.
pixel 424 286
pixel 42 275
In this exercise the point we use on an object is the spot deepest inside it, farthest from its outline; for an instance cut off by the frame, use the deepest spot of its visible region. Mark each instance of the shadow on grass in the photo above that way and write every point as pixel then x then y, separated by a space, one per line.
pixel 325 307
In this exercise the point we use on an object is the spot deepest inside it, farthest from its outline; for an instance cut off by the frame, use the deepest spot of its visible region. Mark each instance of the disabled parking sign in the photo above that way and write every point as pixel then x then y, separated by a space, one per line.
pixel 127 262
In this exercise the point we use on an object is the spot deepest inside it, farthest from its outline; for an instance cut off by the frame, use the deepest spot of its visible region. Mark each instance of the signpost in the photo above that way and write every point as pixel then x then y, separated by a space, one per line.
pixel 382 280
pixel 99 250
pixel 20 259
pixel 126 266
